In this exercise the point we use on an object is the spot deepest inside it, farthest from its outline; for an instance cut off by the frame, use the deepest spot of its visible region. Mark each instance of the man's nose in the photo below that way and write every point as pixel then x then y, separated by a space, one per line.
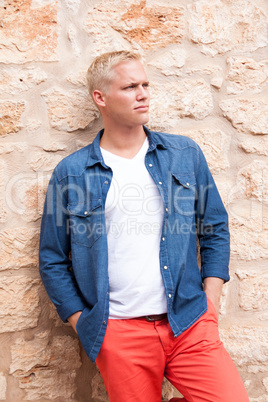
pixel 142 92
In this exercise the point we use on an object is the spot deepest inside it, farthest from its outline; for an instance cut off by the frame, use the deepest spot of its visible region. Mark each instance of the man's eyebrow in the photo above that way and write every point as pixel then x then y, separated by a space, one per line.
pixel 136 83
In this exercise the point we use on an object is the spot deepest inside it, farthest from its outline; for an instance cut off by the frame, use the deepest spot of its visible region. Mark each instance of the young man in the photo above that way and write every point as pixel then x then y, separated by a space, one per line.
pixel 130 208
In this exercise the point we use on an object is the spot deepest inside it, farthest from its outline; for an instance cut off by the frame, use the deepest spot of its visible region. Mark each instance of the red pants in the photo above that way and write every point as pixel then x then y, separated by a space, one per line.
pixel 137 354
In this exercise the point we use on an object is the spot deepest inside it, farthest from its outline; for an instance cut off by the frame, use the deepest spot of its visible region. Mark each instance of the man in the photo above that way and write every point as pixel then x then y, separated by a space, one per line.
pixel 130 208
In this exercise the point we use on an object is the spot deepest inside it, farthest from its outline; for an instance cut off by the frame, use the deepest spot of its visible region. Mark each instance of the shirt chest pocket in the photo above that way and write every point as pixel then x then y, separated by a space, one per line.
pixel 183 193
pixel 85 223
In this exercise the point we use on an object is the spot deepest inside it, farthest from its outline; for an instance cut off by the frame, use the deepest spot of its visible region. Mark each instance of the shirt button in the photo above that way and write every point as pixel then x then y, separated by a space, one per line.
pixel 150 165
pixel 165 267
pixel 163 239
pixel 85 213
pixel 187 184
pixel 106 182
pixel 104 322
pixel 166 209
pixel 170 295
pixel 160 182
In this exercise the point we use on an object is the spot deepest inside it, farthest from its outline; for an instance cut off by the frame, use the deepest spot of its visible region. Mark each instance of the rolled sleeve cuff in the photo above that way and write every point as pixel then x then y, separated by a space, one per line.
pixel 69 307
pixel 217 271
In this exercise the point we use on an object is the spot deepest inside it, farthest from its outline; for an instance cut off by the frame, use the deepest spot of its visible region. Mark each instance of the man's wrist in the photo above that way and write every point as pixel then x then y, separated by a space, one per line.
pixel 74 318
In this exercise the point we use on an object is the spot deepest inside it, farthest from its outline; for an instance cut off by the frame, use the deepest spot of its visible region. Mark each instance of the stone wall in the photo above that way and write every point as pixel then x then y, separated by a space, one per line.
pixel 206 63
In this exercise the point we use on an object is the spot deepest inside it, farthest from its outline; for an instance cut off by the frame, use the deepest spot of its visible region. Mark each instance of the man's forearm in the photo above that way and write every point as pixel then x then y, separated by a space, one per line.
pixel 74 318
pixel 213 288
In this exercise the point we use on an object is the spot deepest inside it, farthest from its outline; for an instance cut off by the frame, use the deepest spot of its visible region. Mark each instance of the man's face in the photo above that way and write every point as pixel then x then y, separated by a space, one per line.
pixel 127 97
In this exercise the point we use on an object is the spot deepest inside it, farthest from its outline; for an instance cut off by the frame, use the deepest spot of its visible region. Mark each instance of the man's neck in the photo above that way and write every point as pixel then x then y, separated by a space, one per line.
pixel 123 142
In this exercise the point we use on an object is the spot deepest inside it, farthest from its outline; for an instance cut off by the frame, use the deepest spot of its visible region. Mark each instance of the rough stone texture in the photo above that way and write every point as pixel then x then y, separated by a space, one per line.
pixel 19 248
pixel 204 68
pixel 19 303
pixel 142 25
pixel 13 80
pixel 215 145
pixel 252 290
pixel 3 387
pixel 28 33
pixel 247 115
pixel 245 74
pixel 248 241
pixel 46 369
pixel 220 26
pixel 248 346
pixel 181 98
pixel 72 5
pixel 252 182
pixel 10 117
pixel 257 146
pixel 248 202
pixel 70 111
pixel 28 195
pixel 207 70
pixel 170 61
pixel 9 147
pixel 98 389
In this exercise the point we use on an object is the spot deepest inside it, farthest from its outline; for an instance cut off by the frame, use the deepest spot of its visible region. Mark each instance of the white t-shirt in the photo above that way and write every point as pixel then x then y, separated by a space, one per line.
pixel 134 216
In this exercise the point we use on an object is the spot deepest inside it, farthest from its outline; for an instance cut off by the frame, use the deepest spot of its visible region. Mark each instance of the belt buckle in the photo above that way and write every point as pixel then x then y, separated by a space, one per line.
pixel 149 318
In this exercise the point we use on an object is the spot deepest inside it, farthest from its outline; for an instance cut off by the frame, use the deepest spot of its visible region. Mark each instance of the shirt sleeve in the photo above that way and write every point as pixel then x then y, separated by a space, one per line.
pixel 55 265
pixel 212 225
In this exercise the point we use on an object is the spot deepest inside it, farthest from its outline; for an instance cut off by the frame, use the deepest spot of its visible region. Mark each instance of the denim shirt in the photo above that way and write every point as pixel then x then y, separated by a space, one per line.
pixel 73 241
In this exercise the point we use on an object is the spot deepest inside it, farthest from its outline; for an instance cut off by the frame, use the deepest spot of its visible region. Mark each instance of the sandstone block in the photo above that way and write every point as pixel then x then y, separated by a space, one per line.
pixel 25 193
pixel 70 111
pixel 248 240
pixel 246 115
pixel 246 74
pixel 252 290
pixel 72 5
pixel 3 211
pixel 77 78
pixel 44 162
pixel 28 34
pixel 215 144
pixel 220 26
pixel 19 303
pixel 265 383
pixel 13 80
pixel 98 389
pixel 3 387
pixel 19 248
pixel 255 145
pixel 10 116
pixel 169 61
pixel 141 25
pixel 248 346
pixel 72 36
pixel 182 98
pixel 8 147
pixel 46 368
pixel 207 69
pixel 252 182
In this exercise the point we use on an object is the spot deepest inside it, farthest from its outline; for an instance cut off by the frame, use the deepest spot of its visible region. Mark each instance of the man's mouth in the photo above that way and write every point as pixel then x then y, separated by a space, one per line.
pixel 142 107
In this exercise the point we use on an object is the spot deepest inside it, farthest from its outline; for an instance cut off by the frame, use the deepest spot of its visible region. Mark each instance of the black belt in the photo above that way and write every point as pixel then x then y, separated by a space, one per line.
pixel 155 317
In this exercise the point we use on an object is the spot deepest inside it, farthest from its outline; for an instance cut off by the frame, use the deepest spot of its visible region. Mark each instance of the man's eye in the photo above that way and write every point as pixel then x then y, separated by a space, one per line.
pixel 146 85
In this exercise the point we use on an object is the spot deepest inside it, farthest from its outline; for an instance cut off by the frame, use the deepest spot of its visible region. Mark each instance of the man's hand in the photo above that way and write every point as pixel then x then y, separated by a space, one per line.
pixel 213 287
pixel 74 318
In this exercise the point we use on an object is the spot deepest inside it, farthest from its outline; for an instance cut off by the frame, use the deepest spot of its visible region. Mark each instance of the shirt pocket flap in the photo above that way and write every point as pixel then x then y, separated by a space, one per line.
pixel 84 210
pixel 186 180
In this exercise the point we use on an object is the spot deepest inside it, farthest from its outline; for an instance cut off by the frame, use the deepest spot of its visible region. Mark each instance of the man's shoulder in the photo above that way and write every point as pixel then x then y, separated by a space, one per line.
pixel 73 164
pixel 174 140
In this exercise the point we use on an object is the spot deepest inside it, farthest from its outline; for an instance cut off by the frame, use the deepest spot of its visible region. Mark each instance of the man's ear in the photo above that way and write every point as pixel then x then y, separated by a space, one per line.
pixel 99 98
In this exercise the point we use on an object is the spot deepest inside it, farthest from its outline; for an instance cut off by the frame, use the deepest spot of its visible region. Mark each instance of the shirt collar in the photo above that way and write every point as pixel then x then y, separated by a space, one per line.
pixel 95 155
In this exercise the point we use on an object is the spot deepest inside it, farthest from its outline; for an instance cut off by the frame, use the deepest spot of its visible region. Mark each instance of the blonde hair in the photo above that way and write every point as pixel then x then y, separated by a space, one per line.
pixel 100 73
